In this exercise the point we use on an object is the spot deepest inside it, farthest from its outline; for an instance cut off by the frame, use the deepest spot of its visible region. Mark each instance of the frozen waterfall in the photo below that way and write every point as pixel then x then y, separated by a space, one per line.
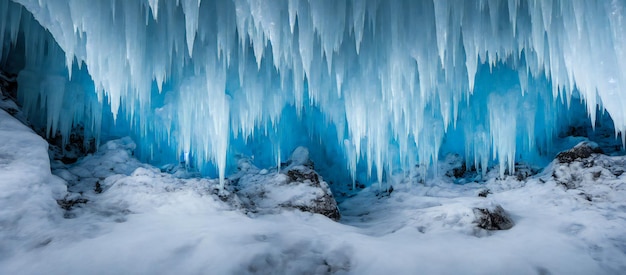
pixel 371 84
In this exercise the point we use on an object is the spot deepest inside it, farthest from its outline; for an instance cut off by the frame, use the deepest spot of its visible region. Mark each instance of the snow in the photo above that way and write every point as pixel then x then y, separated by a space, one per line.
pixel 376 85
pixel 412 94
pixel 27 188
pixel 147 221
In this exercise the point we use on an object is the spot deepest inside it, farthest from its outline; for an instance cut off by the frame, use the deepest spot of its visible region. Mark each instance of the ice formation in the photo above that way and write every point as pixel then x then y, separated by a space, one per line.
pixel 378 85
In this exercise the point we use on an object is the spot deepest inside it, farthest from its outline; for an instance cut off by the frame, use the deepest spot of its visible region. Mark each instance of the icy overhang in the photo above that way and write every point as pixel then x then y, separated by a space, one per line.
pixel 393 77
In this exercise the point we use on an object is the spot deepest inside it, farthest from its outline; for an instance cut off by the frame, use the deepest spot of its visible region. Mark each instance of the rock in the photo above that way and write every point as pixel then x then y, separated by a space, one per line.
pixel 68 203
pixel 457 169
pixel 385 193
pixel 581 151
pixel 297 186
pixel 98 188
pixel 585 163
pixel 457 172
pixel 77 147
pixel 484 193
pixel 523 171
pixel 302 175
pixel 492 218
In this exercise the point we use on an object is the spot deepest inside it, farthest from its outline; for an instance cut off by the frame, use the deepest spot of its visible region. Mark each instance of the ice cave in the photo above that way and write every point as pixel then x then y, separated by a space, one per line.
pixel 312 136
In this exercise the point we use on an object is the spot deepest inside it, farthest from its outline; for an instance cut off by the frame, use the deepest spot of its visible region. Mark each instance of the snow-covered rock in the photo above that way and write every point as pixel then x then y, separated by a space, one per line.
pixel 493 218
pixel 584 165
pixel 297 186
pixel 114 183
pixel 581 151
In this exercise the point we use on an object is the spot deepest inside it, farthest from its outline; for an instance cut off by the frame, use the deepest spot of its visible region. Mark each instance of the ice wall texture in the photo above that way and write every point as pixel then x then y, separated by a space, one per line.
pixel 50 98
pixel 397 81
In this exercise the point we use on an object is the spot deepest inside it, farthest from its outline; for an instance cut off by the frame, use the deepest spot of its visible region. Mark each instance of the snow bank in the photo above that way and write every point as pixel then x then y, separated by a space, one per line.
pixel 28 210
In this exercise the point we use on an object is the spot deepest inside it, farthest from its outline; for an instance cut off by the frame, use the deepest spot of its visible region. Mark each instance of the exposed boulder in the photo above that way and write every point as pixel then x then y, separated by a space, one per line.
pixel 492 218
pixel 581 151
pixel 484 193
pixel 586 163
pixel 297 186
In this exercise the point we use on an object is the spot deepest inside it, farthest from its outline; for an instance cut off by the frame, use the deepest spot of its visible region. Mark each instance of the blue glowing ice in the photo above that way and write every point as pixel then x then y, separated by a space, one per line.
pixel 372 85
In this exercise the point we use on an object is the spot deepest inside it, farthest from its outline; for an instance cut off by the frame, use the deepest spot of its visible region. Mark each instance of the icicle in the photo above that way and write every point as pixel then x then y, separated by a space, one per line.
pixel 387 76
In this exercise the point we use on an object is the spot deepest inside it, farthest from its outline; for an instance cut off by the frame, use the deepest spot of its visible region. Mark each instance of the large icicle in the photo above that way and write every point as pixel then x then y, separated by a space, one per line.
pixel 388 74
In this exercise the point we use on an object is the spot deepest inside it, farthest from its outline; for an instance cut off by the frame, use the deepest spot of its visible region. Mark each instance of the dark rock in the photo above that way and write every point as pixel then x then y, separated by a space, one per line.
pixel 76 147
pixel 324 204
pixel 98 188
pixel 581 151
pixel 68 204
pixel 229 197
pixel 524 171
pixel 385 193
pixel 484 193
pixel 597 174
pixel 301 175
pixel 569 183
pixel 494 218
pixel 457 172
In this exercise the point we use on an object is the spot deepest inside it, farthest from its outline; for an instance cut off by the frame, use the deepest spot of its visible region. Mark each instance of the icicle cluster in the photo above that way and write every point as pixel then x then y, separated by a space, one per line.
pixel 395 78
pixel 49 97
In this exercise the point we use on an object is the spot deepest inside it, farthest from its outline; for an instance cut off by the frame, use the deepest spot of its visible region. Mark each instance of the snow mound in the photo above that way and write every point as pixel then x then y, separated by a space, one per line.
pixel 28 190
pixel 113 183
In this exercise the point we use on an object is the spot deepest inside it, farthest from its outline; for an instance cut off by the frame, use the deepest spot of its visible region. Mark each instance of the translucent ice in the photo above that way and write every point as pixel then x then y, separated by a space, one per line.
pixel 398 82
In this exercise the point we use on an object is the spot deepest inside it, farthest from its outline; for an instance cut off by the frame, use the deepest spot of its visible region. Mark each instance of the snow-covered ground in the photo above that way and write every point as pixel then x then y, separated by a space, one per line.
pixel 115 215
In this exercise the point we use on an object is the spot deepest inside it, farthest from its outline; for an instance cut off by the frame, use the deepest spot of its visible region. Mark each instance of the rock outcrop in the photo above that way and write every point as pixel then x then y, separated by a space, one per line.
pixel 297 186
pixel 581 151
pixel 493 218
